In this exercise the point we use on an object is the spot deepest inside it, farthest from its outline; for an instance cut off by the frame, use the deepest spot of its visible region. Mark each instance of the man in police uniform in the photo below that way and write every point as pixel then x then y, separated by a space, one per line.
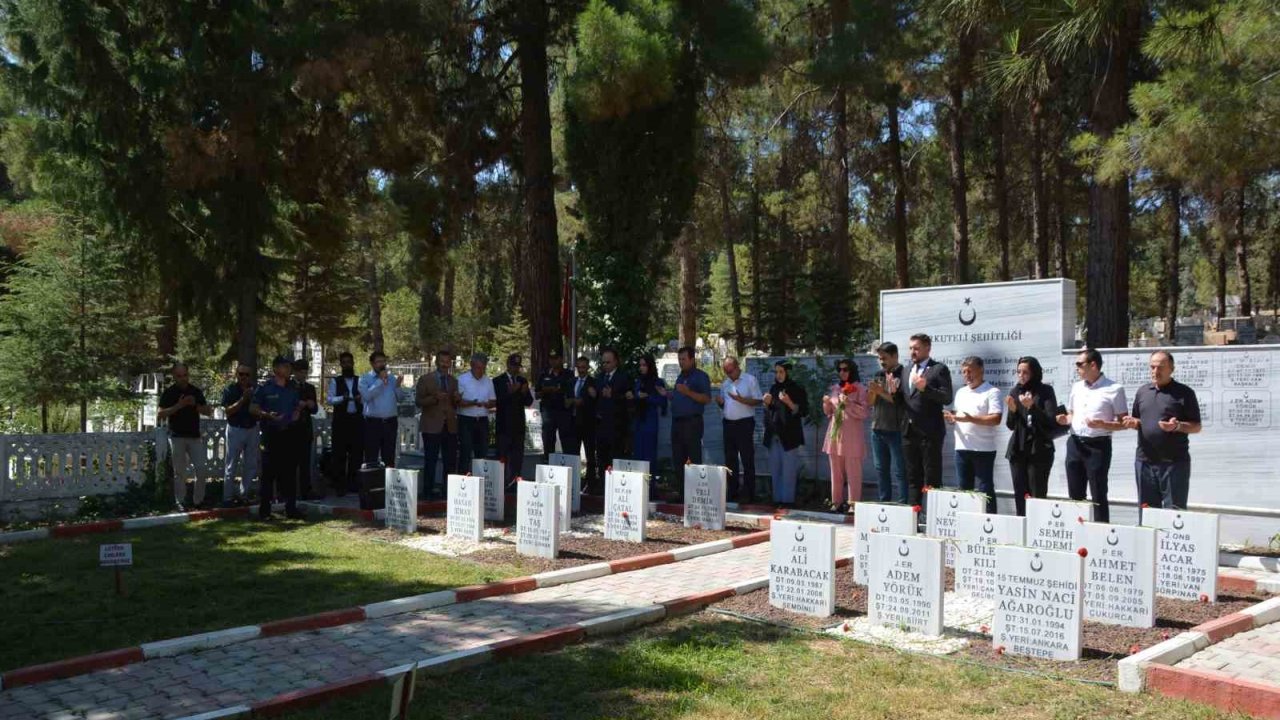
pixel 278 405
pixel 555 391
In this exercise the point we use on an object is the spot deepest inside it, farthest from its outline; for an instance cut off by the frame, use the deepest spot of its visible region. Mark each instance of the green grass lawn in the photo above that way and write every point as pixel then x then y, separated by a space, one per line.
pixel 199 577
pixel 710 666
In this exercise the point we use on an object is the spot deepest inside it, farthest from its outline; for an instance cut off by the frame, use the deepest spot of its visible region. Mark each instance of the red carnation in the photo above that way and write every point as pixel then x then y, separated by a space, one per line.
pixel 846 627
pixel 1083 552
pixel 1027 496
pixel 608 468
pixel 916 508
pixel 1080 519
pixel 502 460
pixel 1204 598
pixel 984 630
pixel 519 479
pixel 1133 649
pixel 624 513
pixel 1000 650
pixel 468 474
pixel 926 489
pixel 847 388
pixel 688 461
pixel 1164 634
pixel 1145 506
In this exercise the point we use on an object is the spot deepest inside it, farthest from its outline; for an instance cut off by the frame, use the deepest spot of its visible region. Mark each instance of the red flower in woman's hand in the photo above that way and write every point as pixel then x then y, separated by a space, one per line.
pixel 848 388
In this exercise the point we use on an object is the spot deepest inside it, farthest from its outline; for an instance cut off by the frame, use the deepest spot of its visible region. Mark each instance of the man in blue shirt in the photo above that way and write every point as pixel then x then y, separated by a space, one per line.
pixel 693 392
pixel 381 415
pixel 278 405
pixel 242 436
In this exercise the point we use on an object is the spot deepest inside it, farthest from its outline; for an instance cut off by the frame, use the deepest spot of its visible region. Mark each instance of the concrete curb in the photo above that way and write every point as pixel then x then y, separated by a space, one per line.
pixel 1248 562
pixel 110 526
pixel 1213 689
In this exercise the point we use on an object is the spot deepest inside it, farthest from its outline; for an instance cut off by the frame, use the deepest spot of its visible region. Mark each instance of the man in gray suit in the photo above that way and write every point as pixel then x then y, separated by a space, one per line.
pixel 928 390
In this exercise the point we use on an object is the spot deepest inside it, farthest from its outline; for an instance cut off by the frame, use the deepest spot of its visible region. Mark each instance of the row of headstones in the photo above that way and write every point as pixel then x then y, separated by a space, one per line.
pixel 1045 573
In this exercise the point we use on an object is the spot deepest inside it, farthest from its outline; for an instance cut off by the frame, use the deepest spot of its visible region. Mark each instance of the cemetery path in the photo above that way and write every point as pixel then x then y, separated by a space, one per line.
pixel 254 671
pixel 1252 656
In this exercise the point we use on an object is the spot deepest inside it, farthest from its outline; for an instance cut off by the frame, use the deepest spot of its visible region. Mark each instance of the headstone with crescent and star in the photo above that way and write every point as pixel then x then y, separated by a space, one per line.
pixel 626 506
pixel 1056 524
pixel 1039 603
pixel 1187 553
pixel 464 515
pixel 877 517
pixel 538 519
pixel 574 463
pixel 1120 575
pixel 905 583
pixel 562 477
pixel 705 487
pixel 977 535
pixel 494 475
pixel 802 567
pixel 626 465
pixel 941 507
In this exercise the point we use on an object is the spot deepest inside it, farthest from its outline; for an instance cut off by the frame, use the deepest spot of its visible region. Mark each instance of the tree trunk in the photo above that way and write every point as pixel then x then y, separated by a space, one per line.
pixel 1063 219
pixel 735 294
pixel 247 309
pixel 781 296
pixel 1173 199
pixel 539 276
pixel 373 292
pixel 1221 276
pixel 843 250
pixel 1039 198
pixel 1242 257
pixel 756 331
pixel 959 181
pixel 167 331
pixel 1002 194
pixel 899 196
pixel 450 280
pixel 688 249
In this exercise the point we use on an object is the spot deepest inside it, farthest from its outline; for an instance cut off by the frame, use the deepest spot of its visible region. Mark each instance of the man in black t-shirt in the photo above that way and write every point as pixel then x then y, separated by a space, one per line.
pixel 182 404
pixel 1164 414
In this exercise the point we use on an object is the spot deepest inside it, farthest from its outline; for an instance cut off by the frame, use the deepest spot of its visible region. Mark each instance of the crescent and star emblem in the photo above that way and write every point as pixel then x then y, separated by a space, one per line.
pixel 1113 539
pixel 988 528
pixel 1057 512
pixel 973 314
pixel 1178 522
pixel 955 502
pixel 903 549
pixel 702 473
pixel 535 491
pixel 883 518
pixel 1036 563
pixel 799 534
pixel 622 481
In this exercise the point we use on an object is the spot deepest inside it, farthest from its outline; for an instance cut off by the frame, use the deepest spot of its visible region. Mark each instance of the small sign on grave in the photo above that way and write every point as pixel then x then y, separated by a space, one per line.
pixel 574 463
pixel 704 496
pixel 560 476
pixel 465 512
pixel 1186 554
pixel 493 472
pixel 626 506
pixel 941 507
pixel 802 567
pixel 905 583
pixel 538 519
pixel 625 465
pixel 401 493
pixel 977 537
pixel 1056 524
pixel 880 517
pixel 1039 603
pixel 115 555
pixel 1120 575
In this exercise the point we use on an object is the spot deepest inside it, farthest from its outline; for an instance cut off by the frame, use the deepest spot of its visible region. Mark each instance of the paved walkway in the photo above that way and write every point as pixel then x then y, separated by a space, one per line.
pixel 1253 655
pixel 257 670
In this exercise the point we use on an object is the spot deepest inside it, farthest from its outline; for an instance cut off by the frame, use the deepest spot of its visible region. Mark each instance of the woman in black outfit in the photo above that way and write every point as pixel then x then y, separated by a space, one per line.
pixel 1032 411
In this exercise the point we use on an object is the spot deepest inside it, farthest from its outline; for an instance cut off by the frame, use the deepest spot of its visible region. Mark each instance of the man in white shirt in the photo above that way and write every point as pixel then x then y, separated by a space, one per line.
pixel 1096 408
pixel 478 400
pixel 974 419
pixel 739 396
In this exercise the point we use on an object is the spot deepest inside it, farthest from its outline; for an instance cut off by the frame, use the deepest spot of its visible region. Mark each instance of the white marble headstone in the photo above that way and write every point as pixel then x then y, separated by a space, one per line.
pixel 573 462
pixel 561 477
pixel 626 506
pixel 537 519
pixel 802 567
pixel 402 500
pixel 868 517
pixel 1056 524
pixel 941 507
pixel 704 496
pixel 1039 603
pixel 465 508
pixel 495 499
pixel 625 465
pixel 1187 553
pixel 1120 575
pixel 977 537
pixel 905 583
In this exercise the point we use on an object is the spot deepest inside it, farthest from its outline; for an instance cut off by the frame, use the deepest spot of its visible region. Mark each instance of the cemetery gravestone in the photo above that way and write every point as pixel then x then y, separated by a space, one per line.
pixel 465 512
pixel 802 567
pixel 559 476
pixel 868 517
pixel 1187 553
pixel 1039 603
pixel 905 583
pixel 941 507
pixel 978 534
pixel 538 519
pixel 704 496
pixel 574 463
pixel 625 465
pixel 626 506
pixel 1056 524
pixel 1120 575
pixel 493 473
pixel 401 493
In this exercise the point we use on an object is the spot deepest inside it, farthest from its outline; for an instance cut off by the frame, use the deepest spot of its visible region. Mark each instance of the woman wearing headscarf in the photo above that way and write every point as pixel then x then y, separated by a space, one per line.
pixel 785 406
pixel 1032 411
pixel 650 397
pixel 846 439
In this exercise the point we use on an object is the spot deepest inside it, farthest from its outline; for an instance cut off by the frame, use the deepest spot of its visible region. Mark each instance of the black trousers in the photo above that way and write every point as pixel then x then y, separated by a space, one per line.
pixel 585 440
pixel 380 440
pixel 279 471
pixel 1030 477
pixel 608 447
pixel 557 424
pixel 347 451
pixel 442 446
pixel 740 443
pixel 473 441
pixel 923 456
pixel 305 437
pixel 511 451
pixel 686 443
pixel 1088 462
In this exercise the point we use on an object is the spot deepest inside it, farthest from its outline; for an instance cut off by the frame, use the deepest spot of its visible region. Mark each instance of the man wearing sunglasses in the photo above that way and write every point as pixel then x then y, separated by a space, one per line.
pixel 1095 409
pixel 242 437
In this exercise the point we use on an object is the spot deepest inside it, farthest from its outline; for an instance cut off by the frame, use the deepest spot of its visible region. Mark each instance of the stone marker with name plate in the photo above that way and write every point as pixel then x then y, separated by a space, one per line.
pixel 977 537
pixel 1056 524
pixel 625 465
pixel 573 462
pixel 1039 603
pixel 115 555
pixel 880 517
pixel 905 583
pixel 802 567
pixel 1120 575
pixel 495 498
pixel 464 517
pixel 538 519
pixel 626 506
pixel 941 507
pixel 1186 553
pixel 561 477
pixel 401 493
pixel 704 496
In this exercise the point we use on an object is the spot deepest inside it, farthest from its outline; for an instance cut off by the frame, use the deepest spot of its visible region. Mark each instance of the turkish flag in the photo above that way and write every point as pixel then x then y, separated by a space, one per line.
pixel 565 303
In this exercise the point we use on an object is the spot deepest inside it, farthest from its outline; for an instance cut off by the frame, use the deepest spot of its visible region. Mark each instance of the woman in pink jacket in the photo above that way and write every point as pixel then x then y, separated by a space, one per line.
pixel 846 440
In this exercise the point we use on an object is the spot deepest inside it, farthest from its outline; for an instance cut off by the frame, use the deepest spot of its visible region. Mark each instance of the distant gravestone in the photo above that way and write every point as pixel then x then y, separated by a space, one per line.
pixel 573 462
pixel 878 517
pixel 626 506
pixel 941 507
pixel 538 519
pixel 704 496
pixel 1120 575
pixel 464 516
pixel 401 493
pixel 802 567
pixel 1039 603
pixel 1187 553
pixel 1056 524
pixel 625 465
pixel 560 476
pixel 905 583
pixel 493 473
pixel 977 537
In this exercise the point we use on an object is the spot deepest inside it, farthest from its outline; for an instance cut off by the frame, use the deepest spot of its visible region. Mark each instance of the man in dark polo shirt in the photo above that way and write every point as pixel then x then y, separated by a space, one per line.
pixel 182 404
pixel 242 437
pixel 688 404
pixel 1164 414
pixel 278 405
